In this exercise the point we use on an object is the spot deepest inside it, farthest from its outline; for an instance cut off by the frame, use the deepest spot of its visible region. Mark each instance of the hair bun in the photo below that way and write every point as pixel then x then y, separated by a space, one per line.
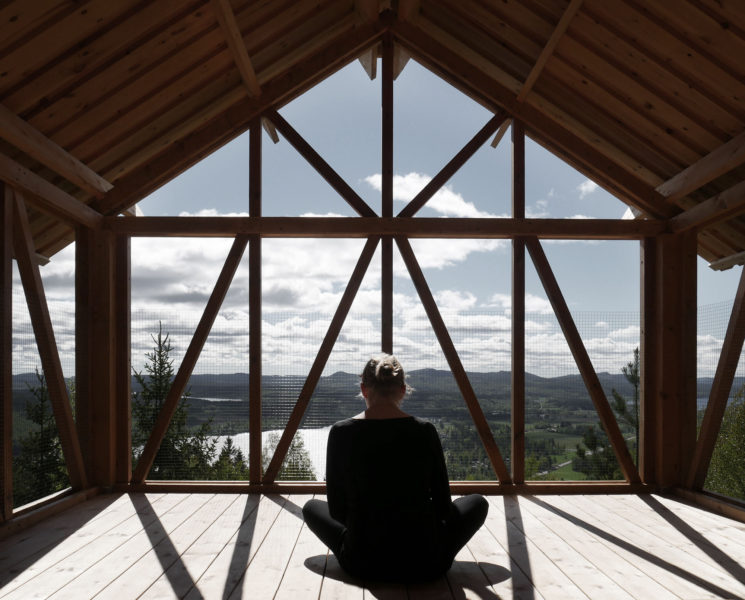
pixel 383 373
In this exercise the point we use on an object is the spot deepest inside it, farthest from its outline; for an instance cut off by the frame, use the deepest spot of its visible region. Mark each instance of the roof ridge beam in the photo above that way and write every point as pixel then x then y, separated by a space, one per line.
pixel 30 140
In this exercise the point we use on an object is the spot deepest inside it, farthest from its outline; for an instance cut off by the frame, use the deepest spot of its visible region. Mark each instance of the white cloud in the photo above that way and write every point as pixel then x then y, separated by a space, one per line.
pixel 540 209
pixel 533 304
pixel 586 188
pixel 445 201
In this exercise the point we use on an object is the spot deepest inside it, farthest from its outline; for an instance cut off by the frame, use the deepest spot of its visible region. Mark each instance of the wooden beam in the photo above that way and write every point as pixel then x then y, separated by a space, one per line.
pixel 369 61
pixel 84 343
pixel 319 363
pixel 368 9
pixel 650 323
pixel 578 350
pixel 540 63
pixel 728 261
pixel 45 196
pixel 6 351
pixel 452 166
pixel 254 308
pixel 101 357
pixel 234 40
pixel 500 132
pixel 720 390
pixel 724 205
pixel 320 165
pixel 42 324
pixel 190 359
pixel 400 59
pixel 674 396
pixel 716 163
pixel 408 10
pixel 270 129
pixel 30 140
pixel 549 48
pixel 362 227
pixel 123 360
pixel 451 355
pixel 386 170
pixel 517 386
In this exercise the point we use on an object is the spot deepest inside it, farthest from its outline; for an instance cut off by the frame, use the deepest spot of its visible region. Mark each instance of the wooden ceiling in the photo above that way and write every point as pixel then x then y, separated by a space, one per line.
pixel 103 101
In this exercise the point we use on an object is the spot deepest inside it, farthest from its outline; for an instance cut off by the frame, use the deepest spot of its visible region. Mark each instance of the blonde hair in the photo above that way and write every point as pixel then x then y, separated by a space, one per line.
pixel 384 375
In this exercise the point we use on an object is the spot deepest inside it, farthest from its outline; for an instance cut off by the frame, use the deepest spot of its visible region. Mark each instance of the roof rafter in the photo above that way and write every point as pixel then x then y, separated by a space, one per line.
pixel 540 63
pixel 46 196
pixel 234 39
pixel 31 141
pixel 724 205
pixel 716 163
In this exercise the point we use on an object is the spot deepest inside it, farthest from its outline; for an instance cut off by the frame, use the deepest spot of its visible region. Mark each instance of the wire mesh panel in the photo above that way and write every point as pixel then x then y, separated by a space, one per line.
pixel 207 436
pixel 726 474
pixel 39 467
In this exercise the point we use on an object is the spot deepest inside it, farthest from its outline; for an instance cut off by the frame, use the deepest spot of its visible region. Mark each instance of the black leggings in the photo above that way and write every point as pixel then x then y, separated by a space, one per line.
pixel 467 514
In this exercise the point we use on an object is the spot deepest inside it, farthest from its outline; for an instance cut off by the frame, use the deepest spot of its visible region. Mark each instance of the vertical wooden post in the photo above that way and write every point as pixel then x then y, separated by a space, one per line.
pixel 83 342
pixel 6 350
pixel 517 459
pixel 123 358
pixel 96 354
pixel 386 246
pixel 674 394
pixel 254 308
pixel 646 460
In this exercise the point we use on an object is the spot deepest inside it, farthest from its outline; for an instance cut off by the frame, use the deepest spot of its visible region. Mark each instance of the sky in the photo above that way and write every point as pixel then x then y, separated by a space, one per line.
pixel 303 279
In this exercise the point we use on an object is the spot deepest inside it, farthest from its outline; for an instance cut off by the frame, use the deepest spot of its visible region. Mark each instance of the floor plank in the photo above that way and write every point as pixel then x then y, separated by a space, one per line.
pixel 257 546
pixel 226 571
pixel 659 559
pixel 604 559
pixel 154 527
pixel 60 536
pixel 299 581
pixel 264 573
pixel 180 578
pixel 168 552
pixel 505 514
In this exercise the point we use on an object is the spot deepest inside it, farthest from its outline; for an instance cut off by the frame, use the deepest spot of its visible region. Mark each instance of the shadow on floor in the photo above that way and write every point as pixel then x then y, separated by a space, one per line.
pixel 327 566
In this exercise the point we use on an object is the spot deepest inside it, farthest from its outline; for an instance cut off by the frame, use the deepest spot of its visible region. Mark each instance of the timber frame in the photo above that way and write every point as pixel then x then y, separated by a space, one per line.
pixel 691 205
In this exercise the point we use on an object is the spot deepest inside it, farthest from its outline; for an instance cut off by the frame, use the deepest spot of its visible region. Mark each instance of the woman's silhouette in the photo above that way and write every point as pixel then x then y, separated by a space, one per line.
pixel 389 515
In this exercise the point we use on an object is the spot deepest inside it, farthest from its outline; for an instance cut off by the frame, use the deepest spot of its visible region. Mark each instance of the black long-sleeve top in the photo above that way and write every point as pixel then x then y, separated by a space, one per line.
pixel 387 482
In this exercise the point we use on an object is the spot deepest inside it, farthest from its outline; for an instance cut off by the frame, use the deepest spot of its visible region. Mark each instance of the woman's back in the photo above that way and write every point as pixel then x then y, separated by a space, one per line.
pixel 387 482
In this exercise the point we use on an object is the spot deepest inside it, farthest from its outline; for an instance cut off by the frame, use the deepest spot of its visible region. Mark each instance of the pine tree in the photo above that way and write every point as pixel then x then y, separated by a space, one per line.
pixel 39 469
pixel 230 464
pixel 626 413
pixel 184 453
pixel 726 473
pixel 297 465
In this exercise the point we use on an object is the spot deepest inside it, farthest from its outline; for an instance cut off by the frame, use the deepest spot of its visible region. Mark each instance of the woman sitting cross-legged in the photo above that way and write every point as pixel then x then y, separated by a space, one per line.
pixel 389 515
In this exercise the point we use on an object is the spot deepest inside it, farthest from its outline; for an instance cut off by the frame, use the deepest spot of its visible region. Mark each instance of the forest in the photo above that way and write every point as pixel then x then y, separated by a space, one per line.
pixel 563 438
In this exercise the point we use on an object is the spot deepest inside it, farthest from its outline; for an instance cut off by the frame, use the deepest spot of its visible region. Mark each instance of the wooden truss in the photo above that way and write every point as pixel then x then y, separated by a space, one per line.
pixel 384 230
pixel 98 450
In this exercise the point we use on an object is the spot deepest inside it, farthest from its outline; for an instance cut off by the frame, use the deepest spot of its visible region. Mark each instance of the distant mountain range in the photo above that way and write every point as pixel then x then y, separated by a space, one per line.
pixel 432 384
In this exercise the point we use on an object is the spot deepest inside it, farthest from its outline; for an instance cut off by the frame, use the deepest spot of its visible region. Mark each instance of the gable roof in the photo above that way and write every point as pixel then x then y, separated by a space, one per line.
pixel 106 101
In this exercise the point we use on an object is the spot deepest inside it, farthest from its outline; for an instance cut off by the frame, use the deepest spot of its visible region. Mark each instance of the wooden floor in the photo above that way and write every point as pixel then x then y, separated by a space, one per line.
pixel 255 547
